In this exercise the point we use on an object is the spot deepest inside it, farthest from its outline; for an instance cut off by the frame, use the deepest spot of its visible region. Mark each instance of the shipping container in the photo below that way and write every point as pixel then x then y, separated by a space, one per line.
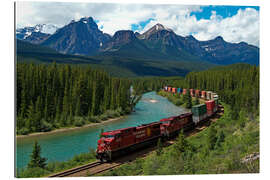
pixel 165 88
pixel 210 104
pixel 184 91
pixel 169 89
pixel 213 95
pixel 203 94
pixel 174 90
pixel 179 90
pixel 192 93
pixel 197 93
pixel 197 119
pixel 208 95
pixel 198 110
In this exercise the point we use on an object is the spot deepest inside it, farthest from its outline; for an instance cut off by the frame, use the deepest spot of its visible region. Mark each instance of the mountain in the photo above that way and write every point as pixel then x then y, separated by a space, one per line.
pixel 159 43
pixel 78 37
pixel 221 52
pixel 116 66
pixel 36 34
pixel 162 43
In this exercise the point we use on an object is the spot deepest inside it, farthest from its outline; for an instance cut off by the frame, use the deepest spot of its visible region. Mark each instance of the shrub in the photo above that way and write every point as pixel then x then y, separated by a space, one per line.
pixel 45 126
pixel 94 119
pixel 103 117
pixel 79 121
pixel 23 131
pixel 32 172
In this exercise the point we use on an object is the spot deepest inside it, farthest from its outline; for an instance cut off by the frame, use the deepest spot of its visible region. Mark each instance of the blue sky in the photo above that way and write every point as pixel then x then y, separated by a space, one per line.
pixel 205 13
pixel 233 23
pixel 223 11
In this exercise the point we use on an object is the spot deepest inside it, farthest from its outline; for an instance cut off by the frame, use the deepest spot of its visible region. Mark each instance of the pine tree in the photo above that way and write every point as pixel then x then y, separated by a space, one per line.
pixel 211 138
pixel 220 139
pixel 35 159
pixel 30 118
pixel 181 144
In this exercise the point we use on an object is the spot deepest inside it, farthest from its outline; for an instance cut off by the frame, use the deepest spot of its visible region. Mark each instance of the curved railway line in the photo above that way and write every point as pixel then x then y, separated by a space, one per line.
pixel 98 167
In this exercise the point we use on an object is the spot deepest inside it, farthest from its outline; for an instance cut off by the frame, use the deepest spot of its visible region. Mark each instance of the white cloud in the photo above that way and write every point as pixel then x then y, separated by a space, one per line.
pixel 244 26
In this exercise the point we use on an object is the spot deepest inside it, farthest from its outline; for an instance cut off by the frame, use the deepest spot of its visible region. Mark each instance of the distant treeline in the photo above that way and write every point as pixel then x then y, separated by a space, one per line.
pixel 53 96
pixel 236 85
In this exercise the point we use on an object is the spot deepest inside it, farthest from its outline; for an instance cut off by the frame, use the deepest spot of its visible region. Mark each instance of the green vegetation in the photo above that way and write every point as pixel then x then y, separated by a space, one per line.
pixel 54 167
pixel 36 159
pixel 55 96
pixel 236 85
pixel 218 149
pixel 116 65
pixel 180 100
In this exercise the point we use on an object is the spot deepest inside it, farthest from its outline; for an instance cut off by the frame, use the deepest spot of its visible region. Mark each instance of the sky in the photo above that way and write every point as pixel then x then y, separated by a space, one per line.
pixel 233 23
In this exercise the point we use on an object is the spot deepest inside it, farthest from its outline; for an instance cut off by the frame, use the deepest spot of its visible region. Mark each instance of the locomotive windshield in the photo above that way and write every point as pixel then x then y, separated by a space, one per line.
pixel 108 136
pixel 165 122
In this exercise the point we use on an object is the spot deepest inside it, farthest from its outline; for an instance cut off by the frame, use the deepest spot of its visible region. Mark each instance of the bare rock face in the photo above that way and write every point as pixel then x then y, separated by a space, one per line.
pixel 82 37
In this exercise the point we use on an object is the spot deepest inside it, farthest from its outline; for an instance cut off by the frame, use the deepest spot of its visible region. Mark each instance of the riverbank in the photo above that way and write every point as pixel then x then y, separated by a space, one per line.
pixel 68 129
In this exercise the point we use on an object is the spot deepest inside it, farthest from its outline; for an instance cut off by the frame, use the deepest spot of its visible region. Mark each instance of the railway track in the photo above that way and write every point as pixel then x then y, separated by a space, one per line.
pixel 76 170
pixel 99 167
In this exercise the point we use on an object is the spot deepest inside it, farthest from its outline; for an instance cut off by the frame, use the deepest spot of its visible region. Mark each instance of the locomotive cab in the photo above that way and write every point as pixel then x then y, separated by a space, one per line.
pixel 105 144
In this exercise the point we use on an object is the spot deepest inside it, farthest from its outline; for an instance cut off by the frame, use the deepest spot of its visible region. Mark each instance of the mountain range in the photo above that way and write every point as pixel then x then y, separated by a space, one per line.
pixel 157 51
pixel 83 37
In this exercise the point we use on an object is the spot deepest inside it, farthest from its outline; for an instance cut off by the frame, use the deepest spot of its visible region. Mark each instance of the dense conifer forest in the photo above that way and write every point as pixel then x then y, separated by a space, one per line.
pixel 54 96
pixel 237 85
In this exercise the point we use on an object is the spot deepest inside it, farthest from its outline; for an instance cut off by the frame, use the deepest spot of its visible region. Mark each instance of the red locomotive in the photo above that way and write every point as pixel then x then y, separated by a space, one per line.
pixel 115 143
pixel 170 126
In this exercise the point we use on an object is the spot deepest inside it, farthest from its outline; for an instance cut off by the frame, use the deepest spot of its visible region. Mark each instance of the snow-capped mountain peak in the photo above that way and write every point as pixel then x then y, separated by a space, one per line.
pixel 43 28
pixel 35 34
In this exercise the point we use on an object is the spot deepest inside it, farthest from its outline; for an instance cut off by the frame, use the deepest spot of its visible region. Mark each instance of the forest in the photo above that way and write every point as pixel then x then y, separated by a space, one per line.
pixel 53 96
pixel 224 147
pixel 237 85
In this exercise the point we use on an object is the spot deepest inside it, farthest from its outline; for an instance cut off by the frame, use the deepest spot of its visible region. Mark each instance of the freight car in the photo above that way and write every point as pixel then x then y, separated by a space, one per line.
pixel 113 144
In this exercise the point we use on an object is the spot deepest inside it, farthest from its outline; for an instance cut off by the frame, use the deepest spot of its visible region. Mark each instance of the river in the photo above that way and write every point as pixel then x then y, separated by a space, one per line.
pixel 63 146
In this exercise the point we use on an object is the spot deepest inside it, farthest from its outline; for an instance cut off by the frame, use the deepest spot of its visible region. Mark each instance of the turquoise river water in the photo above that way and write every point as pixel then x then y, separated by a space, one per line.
pixel 63 146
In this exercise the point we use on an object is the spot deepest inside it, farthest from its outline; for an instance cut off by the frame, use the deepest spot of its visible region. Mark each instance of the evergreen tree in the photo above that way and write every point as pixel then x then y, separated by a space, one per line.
pixel 35 159
pixel 181 143
pixel 220 139
pixel 211 138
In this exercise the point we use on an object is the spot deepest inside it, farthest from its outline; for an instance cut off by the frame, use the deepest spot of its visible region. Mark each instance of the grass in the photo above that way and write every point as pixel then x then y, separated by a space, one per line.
pixel 54 167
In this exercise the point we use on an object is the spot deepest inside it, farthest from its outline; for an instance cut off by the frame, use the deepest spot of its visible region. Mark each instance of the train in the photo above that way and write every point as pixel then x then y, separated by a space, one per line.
pixel 116 143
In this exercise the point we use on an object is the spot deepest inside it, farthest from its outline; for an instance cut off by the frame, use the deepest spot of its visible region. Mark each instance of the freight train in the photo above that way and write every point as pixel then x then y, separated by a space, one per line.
pixel 113 144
